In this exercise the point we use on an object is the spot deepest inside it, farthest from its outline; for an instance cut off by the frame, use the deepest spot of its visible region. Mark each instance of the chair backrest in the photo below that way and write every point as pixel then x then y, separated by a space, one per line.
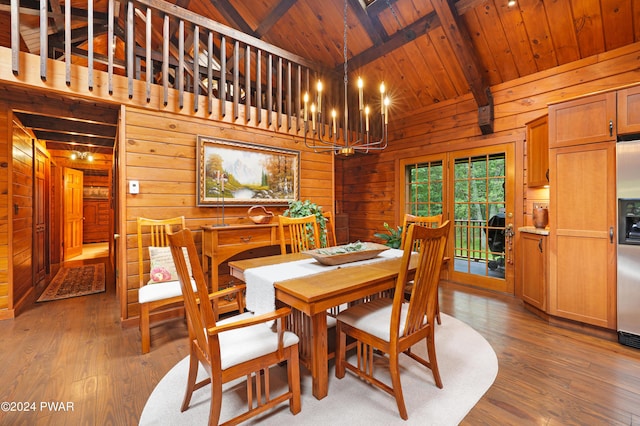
pixel 427 221
pixel 330 230
pixel 157 231
pixel 200 316
pixel 301 232
pixel 424 294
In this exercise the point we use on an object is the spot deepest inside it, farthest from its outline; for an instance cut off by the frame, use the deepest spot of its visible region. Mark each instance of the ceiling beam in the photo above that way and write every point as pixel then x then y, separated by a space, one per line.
pixel 369 23
pixel 458 35
pixel 231 14
pixel 397 40
pixel 276 13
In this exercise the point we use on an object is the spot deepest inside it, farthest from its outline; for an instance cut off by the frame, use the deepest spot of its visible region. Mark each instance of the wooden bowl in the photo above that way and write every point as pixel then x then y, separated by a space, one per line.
pixel 260 215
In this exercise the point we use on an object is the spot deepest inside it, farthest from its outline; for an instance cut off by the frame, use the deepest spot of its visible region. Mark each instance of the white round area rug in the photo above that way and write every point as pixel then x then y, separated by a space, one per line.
pixel 468 367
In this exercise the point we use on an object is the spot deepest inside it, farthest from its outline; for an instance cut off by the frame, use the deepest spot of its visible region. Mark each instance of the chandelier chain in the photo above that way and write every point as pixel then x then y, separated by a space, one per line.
pixel 393 12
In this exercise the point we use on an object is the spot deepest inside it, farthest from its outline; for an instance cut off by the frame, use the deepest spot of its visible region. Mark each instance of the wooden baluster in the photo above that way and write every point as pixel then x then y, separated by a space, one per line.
pixel 196 67
pixel 279 94
pixel 111 43
pixel 149 60
pixel 130 46
pixel 210 72
pixel 15 36
pixel 222 85
pixel 180 76
pixel 90 48
pixel 165 59
pixel 247 84
pixel 259 85
pixel 269 89
pixel 44 37
pixel 236 78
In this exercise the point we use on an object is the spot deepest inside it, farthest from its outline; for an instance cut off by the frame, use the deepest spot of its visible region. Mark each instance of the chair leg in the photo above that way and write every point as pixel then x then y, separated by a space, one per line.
pixel 216 401
pixel 433 361
pixel 341 342
pixel 145 333
pixel 293 375
pixel 394 371
pixel 438 312
pixel 191 381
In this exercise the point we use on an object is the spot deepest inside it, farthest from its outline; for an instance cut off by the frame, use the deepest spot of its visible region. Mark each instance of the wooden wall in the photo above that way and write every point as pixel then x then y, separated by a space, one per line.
pixel 159 151
pixel 366 186
pixel 6 302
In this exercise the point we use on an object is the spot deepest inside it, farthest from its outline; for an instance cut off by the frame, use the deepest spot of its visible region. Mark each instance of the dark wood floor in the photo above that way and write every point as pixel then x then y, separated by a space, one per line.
pixel 75 352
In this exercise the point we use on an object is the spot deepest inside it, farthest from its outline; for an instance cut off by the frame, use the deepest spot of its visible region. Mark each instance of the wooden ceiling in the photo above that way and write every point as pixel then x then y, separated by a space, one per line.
pixel 426 51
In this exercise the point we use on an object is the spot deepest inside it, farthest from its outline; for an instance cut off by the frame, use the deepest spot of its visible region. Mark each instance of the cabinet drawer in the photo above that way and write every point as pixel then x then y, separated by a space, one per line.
pixel 243 236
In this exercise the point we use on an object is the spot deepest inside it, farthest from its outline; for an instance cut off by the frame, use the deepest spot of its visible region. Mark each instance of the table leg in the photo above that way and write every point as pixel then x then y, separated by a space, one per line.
pixel 320 360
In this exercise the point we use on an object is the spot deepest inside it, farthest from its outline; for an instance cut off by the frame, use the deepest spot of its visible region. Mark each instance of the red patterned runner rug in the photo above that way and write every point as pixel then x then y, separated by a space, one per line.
pixel 75 281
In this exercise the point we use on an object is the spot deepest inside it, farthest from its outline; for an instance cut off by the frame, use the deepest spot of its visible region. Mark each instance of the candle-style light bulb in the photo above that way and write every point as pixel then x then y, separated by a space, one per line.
pixel 306 102
pixel 313 116
pixel 333 119
pixel 360 94
pixel 382 98
pixel 319 88
pixel 366 118
pixel 386 110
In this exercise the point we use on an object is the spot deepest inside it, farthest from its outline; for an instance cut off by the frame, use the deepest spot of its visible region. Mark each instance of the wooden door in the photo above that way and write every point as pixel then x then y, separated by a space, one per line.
pixel 72 182
pixel 40 217
pixel 586 120
pixel 629 110
pixel 582 241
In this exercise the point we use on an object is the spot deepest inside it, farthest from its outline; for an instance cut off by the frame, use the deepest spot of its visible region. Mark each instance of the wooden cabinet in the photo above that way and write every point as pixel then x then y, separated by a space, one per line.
pixel 587 120
pixel 538 152
pixel 95 227
pixel 534 269
pixel 629 110
pixel 582 217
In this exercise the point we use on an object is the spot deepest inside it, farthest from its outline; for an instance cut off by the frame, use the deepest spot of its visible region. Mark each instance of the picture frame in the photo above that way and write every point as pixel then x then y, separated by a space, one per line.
pixel 239 173
pixel 95 192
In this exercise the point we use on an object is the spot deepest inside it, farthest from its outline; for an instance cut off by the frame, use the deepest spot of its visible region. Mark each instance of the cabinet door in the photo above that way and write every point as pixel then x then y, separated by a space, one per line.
pixel 582 263
pixel 586 120
pixel 534 269
pixel 629 111
pixel 538 152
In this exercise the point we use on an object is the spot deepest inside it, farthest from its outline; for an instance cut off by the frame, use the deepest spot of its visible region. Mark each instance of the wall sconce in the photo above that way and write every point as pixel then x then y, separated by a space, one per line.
pixel 77 155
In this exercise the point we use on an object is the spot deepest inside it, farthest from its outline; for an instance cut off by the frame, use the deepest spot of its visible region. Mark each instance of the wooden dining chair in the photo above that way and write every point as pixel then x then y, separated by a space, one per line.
pixel 430 222
pixel 301 233
pixel 393 326
pixel 240 346
pixel 159 288
pixel 330 230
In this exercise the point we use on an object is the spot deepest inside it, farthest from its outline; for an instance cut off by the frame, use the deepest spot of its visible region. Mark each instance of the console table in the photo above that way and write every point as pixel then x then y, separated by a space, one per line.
pixel 220 243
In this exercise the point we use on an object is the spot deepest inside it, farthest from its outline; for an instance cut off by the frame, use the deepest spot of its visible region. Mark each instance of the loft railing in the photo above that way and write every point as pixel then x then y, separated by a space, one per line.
pixel 196 55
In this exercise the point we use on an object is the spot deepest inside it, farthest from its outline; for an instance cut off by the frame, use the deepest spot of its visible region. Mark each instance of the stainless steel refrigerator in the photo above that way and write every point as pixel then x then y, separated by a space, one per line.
pixel 628 193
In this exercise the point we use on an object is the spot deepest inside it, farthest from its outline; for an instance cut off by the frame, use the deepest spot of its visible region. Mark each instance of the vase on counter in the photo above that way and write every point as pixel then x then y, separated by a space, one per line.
pixel 540 217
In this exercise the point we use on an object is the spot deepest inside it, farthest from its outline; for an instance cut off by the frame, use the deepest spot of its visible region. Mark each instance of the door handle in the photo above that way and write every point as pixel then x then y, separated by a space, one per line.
pixel 611 234
pixel 540 245
pixel 610 127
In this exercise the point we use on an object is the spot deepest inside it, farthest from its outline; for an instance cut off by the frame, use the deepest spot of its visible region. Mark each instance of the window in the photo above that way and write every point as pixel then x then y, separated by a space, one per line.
pixel 424 188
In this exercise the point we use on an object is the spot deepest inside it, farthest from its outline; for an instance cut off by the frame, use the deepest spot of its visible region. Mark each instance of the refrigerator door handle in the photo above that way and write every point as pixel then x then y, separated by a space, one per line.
pixel 611 234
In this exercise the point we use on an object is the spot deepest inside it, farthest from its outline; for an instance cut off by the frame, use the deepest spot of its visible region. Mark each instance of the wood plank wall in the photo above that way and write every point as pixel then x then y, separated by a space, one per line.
pixel 6 304
pixel 366 186
pixel 159 151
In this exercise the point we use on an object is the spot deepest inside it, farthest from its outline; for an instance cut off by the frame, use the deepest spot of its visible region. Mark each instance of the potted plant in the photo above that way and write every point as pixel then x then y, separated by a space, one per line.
pixel 393 237
pixel 304 208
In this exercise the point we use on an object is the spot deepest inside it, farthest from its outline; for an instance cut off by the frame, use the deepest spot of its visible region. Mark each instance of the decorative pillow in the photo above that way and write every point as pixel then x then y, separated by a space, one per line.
pixel 162 267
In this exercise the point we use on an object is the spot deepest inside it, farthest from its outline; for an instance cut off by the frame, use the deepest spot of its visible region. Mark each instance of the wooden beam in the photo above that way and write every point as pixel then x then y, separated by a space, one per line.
pixel 408 34
pixel 368 23
pixel 233 17
pixel 274 16
pixel 460 40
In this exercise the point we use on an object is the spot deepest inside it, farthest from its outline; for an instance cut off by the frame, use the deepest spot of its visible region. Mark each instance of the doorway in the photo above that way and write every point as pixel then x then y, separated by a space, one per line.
pixel 474 189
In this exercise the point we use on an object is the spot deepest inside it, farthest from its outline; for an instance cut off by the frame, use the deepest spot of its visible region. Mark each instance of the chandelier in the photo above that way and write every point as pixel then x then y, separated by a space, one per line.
pixel 359 140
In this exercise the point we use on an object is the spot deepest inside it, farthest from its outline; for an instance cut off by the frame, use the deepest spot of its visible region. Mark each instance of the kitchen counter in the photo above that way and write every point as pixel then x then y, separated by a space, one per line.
pixel 534 230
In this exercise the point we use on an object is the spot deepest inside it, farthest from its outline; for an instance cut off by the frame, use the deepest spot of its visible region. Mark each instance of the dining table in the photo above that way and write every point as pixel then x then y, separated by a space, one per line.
pixel 312 289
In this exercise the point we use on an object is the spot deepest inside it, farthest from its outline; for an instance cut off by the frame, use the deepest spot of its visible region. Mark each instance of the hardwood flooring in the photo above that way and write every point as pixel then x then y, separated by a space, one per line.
pixel 75 352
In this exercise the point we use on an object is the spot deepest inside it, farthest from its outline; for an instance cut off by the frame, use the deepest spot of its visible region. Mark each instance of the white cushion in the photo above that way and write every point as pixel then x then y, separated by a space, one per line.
pixel 161 291
pixel 373 317
pixel 162 268
pixel 244 344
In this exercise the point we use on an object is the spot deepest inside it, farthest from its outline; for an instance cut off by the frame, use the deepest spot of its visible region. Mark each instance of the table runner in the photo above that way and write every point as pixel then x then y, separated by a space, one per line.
pixel 260 293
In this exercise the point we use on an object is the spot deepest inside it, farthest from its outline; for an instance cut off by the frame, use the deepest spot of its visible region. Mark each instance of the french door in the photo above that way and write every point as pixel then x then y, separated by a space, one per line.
pixel 474 189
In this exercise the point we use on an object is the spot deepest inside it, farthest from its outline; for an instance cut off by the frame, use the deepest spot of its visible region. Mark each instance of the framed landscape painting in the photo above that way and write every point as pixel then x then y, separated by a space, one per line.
pixel 240 173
